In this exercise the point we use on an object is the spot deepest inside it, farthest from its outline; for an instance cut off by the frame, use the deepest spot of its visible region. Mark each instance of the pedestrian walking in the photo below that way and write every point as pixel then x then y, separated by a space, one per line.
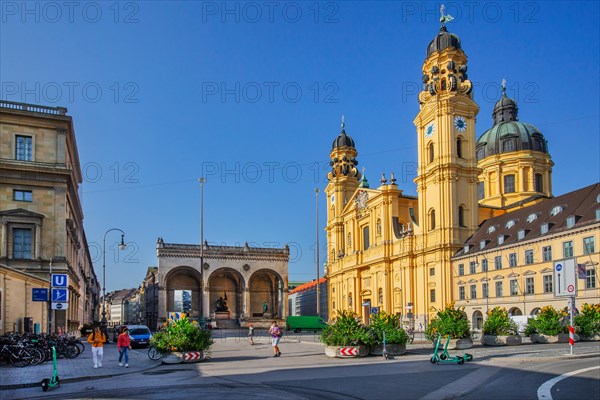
pixel 275 333
pixel 251 333
pixel 97 339
pixel 124 345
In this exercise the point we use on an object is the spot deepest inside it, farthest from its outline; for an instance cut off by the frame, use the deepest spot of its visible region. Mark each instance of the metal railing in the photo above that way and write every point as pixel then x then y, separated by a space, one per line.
pixel 12 105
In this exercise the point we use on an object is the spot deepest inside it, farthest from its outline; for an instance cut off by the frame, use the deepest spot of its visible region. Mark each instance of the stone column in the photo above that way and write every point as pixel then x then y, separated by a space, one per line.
pixel 4 240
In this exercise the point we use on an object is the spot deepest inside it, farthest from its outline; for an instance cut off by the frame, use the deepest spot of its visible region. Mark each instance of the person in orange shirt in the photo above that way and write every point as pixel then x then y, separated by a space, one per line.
pixel 97 339
pixel 124 345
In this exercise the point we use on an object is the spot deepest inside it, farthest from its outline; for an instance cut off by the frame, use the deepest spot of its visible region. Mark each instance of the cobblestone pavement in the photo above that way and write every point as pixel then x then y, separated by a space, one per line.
pixel 80 368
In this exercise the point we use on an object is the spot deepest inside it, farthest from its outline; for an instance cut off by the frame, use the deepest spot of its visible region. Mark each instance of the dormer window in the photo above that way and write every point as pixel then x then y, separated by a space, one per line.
pixel 544 228
pixel 482 244
pixel 491 229
pixel 555 211
pixel 570 221
pixel 466 248
pixel 510 224
pixel 598 199
pixel 598 214
pixel 500 239
pixel 521 234
pixel 531 218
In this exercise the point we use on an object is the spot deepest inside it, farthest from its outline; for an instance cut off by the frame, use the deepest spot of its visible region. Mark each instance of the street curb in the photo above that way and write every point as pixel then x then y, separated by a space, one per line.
pixel 564 357
pixel 75 379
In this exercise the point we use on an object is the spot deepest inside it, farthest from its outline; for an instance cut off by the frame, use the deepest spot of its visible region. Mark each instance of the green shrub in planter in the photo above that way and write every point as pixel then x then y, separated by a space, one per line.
pixel 449 321
pixel 388 323
pixel 587 323
pixel 182 335
pixel 548 322
pixel 347 330
pixel 498 323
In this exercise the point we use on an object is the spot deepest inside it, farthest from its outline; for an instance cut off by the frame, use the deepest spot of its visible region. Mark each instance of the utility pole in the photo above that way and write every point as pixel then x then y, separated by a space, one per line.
pixel 317 250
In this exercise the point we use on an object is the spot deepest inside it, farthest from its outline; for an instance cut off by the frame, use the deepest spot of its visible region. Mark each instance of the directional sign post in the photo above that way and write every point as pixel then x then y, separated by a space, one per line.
pixel 565 278
pixel 60 295
pixel 60 280
pixel 39 294
pixel 59 306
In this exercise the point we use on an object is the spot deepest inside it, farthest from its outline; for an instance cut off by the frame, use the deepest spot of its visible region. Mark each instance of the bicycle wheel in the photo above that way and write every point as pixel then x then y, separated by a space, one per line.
pixel 154 354
pixel 21 359
pixel 72 351
pixel 38 356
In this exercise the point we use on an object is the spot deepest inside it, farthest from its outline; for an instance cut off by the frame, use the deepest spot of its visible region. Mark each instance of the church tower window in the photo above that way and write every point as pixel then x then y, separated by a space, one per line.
pixel 432 220
pixel 461 216
pixel 539 183
pixel 431 152
pixel 509 183
pixel 459 148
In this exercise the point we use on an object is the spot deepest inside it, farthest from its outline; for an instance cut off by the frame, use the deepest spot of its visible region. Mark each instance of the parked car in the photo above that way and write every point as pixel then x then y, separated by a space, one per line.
pixel 140 335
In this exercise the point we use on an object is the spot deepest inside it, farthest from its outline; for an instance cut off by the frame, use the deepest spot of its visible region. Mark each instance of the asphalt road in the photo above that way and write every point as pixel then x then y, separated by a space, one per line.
pixel 240 371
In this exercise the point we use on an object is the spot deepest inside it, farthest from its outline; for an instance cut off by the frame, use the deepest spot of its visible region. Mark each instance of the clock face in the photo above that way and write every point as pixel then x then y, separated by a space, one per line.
pixel 429 130
pixel 460 124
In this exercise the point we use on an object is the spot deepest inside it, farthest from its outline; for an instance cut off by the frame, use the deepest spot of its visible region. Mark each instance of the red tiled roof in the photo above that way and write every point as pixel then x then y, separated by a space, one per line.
pixel 307 285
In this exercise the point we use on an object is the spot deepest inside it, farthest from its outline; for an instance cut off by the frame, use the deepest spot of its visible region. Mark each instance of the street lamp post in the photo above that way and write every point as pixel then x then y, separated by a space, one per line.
pixel 202 181
pixel 317 249
pixel 121 247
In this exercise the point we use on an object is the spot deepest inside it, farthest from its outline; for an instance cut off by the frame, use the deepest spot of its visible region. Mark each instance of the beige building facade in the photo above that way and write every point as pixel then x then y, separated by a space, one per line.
pixel 40 208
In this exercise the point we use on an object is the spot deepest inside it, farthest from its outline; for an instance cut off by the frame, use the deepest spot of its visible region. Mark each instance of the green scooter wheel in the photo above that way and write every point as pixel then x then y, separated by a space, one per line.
pixel 45 383
pixel 468 357
pixel 461 361
pixel 434 360
pixel 443 356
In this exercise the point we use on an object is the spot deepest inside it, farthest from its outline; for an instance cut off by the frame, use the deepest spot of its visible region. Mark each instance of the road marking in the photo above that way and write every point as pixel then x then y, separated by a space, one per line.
pixel 459 387
pixel 543 391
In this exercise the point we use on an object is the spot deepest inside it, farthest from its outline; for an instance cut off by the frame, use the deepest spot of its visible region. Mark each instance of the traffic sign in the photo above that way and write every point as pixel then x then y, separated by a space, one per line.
pixel 59 306
pixel 565 278
pixel 192 356
pixel 39 294
pixel 374 310
pixel 60 295
pixel 348 351
pixel 176 316
pixel 60 280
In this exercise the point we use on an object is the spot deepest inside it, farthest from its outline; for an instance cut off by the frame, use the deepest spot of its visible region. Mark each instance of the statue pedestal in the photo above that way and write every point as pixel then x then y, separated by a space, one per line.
pixel 222 315
pixel 267 315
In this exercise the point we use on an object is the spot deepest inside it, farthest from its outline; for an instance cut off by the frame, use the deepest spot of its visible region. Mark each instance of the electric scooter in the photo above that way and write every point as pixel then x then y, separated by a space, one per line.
pixel 54 381
pixel 445 358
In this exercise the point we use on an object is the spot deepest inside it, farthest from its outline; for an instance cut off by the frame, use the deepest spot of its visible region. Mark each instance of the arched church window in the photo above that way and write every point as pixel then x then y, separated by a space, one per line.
pixel 461 216
pixel 380 295
pixel 480 190
pixel 459 148
pixel 431 152
pixel 539 183
pixel 432 220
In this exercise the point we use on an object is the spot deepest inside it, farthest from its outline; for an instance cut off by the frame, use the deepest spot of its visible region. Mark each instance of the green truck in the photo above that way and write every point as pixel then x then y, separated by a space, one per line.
pixel 304 323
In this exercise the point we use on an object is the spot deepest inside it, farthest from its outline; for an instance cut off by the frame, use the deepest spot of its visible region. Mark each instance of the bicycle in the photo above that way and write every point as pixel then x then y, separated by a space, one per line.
pixel 154 353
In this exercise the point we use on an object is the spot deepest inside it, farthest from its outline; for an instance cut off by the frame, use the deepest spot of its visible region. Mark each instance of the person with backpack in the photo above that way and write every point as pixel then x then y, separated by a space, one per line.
pixel 97 339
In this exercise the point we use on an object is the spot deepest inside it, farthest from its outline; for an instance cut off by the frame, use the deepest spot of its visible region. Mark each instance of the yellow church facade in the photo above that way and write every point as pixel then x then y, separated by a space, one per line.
pixel 394 252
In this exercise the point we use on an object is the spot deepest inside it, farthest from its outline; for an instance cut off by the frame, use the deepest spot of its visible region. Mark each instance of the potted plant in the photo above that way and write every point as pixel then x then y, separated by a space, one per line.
pixel 395 337
pixel 499 329
pixel 587 323
pixel 182 341
pixel 347 336
pixel 549 326
pixel 453 322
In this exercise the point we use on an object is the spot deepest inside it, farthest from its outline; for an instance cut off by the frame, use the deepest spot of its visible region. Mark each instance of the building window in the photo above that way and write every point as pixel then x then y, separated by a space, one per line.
pixel 22 195
pixel 556 210
pixel 22 243
pixel 588 245
pixel 531 218
pixel 590 279
pixel 548 284
pixel 500 239
pixel 567 249
pixel 484 289
pixel 514 287
pixel 349 300
pixel 432 295
pixel 539 183
pixel 431 152
pixel 380 294
pixel 510 224
pixel 484 265
pixel 480 190
pixel 512 260
pixel 461 292
pixel 521 234
pixel 432 271
pixel 508 145
pixel 432 220
pixel 544 229
pixel 473 291
pixel 547 253
pixel 461 269
pixel 509 183
pixel 472 267
pixel 349 240
pixel 459 148
pixel 365 238
pixel 529 287
pixel 570 221
pixel 498 262
pixel 499 289
pixel 528 256
pixel 24 148
pixel 461 216
pixel 598 214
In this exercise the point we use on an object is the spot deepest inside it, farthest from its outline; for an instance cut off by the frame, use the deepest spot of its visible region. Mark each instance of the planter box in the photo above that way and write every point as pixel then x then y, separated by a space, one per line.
pixel 346 351
pixel 456 344
pixel 501 340
pixel 393 349
pixel 178 357
pixel 560 338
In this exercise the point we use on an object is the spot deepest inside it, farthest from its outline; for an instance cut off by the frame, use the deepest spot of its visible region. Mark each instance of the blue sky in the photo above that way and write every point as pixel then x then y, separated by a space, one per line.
pixel 250 95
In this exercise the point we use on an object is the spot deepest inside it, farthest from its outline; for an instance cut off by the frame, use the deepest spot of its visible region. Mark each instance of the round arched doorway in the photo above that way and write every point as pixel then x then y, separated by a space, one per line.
pixel 477 320
pixel 225 288
pixel 183 291
pixel 266 294
pixel 515 311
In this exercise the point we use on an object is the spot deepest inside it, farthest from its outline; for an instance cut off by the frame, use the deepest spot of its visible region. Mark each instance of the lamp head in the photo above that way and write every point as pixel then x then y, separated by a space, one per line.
pixel 122 245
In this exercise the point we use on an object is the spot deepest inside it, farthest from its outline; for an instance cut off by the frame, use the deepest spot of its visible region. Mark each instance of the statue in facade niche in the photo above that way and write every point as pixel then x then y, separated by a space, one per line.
pixel 221 305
